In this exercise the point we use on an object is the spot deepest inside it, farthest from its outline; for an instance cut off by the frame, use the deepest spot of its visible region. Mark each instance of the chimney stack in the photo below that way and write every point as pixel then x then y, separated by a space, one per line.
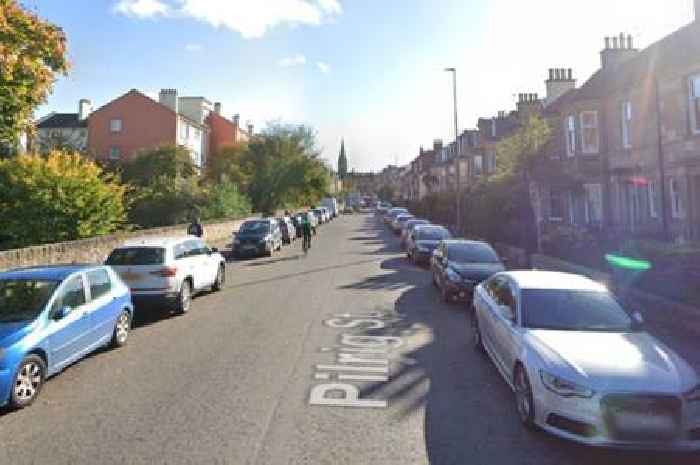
pixel 84 109
pixel 168 97
pixel 250 128
pixel 217 108
pixel 236 119
pixel 622 50
pixel 563 82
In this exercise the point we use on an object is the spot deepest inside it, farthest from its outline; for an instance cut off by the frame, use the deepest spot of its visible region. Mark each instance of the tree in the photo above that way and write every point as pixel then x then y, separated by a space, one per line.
pixel 32 52
pixel 58 198
pixel 169 161
pixel 227 165
pixel 165 201
pixel 224 200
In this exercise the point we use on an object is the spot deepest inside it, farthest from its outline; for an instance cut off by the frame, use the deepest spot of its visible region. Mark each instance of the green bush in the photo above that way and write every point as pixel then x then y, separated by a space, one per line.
pixel 165 202
pixel 223 200
pixel 60 197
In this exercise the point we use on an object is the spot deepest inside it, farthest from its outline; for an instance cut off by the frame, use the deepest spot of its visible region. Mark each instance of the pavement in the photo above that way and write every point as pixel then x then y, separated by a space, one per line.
pixel 254 375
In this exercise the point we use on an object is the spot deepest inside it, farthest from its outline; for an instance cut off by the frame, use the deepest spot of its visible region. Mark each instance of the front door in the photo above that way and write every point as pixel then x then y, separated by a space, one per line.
pixel 69 336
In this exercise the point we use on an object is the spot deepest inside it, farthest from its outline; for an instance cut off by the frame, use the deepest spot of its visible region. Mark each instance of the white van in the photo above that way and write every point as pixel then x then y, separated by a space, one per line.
pixel 331 203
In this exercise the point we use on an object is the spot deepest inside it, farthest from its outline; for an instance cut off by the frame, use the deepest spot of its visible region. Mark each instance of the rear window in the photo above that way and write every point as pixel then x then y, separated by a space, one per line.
pixel 432 234
pixel 137 256
pixel 472 253
pixel 255 227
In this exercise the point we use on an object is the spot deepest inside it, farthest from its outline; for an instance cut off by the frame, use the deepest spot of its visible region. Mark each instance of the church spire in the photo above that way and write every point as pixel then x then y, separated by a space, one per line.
pixel 342 161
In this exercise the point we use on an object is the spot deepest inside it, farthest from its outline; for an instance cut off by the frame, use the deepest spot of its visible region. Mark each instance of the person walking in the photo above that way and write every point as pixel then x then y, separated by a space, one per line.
pixel 195 228
pixel 306 233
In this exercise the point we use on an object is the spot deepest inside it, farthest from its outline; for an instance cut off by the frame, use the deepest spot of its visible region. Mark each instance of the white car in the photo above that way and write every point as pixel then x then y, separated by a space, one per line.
pixel 582 367
pixel 168 269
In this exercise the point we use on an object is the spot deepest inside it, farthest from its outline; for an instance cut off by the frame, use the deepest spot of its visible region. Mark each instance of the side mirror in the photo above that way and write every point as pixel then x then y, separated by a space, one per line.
pixel 62 313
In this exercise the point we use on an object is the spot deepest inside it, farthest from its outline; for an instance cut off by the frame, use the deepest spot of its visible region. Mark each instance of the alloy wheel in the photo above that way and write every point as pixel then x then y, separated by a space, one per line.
pixel 28 381
pixel 122 328
pixel 523 397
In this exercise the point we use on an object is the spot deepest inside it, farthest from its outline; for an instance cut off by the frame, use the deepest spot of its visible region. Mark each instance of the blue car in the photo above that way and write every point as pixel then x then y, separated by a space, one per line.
pixel 52 316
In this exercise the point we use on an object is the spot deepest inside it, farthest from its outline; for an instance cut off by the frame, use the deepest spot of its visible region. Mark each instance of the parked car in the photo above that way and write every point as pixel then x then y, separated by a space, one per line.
pixel 327 214
pixel 52 316
pixel 297 219
pixel 257 237
pixel 458 266
pixel 169 270
pixel 320 215
pixel 313 219
pixel 383 207
pixel 581 366
pixel 287 229
pixel 331 203
pixel 408 227
pixel 423 240
pixel 399 221
pixel 393 213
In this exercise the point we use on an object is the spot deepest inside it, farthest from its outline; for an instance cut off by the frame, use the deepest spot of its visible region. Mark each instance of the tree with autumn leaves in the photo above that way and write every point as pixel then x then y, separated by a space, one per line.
pixel 32 53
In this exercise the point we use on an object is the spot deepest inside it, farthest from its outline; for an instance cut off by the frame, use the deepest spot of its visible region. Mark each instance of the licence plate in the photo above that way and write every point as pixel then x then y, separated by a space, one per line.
pixel 249 247
pixel 637 422
pixel 131 277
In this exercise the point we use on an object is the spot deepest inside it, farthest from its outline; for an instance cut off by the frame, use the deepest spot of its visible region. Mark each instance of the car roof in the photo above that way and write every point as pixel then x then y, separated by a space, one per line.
pixel 536 279
pixel 430 225
pixel 155 241
pixel 466 242
pixel 56 272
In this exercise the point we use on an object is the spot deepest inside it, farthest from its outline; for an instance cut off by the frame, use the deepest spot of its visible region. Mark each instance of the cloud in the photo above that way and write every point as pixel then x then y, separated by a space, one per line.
pixel 141 8
pixel 250 18
pixel 193 47
pixel 324 67
pixel 296 60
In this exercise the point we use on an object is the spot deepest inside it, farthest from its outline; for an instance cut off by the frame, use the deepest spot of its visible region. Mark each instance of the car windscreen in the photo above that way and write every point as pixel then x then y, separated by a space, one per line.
pixel 403 219
pixel 410 224
pixel 255 227
pixel 24 299
pixel 136 256
pixel 432 234
pixel 573 310
pixel 471 253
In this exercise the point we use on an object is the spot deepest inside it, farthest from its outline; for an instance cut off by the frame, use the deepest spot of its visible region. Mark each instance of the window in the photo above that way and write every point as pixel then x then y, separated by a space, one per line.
pixel 695 104
pixel 493 128
pixel 594 203
pixel 192 248
pixel 180 251
pixel 555 206
pixel 136 256
pixel 626 116
pixel 677 205
pixel 183 130
pixel 589 130
pixel 115 125
pixel 572 207
pixel 651 188
pixel 570 136
pixel 491 163
pixel 478 165
pixel 99 282
pixel 115 153
pixel 73 295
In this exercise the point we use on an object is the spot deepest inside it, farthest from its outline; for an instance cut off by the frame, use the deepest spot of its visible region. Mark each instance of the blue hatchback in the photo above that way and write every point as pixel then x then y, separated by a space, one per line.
pixel 52 316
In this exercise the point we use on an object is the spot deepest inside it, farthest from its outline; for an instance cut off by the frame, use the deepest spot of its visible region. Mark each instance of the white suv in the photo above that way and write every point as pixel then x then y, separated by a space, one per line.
pixel 170 269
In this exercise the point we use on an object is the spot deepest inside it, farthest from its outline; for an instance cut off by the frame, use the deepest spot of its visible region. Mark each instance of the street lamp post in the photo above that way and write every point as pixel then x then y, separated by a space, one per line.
pixel 457 148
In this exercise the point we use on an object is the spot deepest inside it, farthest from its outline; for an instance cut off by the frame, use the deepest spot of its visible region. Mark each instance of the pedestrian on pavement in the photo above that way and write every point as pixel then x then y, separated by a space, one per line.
pixel 306 232
pixel 195 228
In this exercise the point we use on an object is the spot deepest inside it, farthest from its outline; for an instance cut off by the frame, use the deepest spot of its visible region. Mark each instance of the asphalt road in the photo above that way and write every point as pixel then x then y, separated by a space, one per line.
pixel 238 380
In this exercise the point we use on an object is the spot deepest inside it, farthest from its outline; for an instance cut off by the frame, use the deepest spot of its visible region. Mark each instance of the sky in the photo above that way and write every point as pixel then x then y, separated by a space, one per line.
pixel 368 71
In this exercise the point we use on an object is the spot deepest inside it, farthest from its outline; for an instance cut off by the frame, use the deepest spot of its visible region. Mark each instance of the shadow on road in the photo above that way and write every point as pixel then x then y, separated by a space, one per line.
pixel 470 415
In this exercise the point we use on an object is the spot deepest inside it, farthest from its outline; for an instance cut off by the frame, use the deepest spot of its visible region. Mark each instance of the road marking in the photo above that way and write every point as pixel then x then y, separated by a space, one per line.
pixel 357 358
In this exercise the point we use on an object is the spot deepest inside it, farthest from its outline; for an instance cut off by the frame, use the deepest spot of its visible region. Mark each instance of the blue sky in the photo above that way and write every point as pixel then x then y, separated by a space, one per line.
pixel 366 70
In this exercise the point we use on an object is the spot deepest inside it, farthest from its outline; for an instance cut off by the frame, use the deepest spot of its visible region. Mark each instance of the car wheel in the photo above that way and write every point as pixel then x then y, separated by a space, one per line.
pixel 184 298
pixel 28 381
pixel 523 398
pixel 268 252
pixel 121 329
pixel 220 279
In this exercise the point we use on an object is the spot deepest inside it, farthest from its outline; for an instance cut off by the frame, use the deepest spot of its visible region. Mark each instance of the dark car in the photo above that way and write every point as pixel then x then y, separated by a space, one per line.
pixel 458 266
pixel 408 227
pixel 423 240
pixel 257 237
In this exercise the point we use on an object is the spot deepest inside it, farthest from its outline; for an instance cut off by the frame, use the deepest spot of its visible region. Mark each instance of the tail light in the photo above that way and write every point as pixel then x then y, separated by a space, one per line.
pixel 167 272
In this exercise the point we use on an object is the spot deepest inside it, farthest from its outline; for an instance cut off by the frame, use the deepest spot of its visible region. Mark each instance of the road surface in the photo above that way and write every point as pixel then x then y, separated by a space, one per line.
pixel 251 376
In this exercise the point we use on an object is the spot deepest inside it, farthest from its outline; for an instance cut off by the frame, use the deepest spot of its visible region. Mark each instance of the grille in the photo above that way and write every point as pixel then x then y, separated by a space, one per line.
pixel 642 417
pixel 578 428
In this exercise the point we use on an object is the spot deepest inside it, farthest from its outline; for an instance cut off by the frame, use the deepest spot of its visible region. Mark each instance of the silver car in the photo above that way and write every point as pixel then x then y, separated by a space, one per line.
pixel 581 367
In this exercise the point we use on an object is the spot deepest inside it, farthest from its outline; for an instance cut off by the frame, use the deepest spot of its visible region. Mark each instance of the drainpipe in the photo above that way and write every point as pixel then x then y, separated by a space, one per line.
pixel 662 168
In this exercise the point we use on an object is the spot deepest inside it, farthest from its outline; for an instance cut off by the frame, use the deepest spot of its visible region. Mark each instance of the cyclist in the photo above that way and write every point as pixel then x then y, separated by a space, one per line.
pixel 306 232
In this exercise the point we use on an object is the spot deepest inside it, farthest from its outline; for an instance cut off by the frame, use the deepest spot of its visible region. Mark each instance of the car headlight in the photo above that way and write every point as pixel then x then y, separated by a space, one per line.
pixel 564 387
pixel 693 395
pixel 453 276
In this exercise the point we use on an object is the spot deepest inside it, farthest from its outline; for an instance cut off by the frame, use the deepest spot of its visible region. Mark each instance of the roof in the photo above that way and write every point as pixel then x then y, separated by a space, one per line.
pixel 536 279
pixel 673 52
pixel 138 93
pixel 430 226
pixel 155 241
pixel 466 242
pixel 62 120
pixel 47 272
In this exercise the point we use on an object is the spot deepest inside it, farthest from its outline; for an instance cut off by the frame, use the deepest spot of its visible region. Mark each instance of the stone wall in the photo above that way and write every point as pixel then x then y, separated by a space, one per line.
pixel 96 249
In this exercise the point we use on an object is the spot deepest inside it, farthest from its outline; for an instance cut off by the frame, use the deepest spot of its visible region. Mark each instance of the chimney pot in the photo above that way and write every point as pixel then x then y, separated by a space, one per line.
pixel 570 74
pixel 614 41
pixel 236 119
pixel 622 40
pixel 250 128
pixel 217 108
pixel 551 74
pixel 630 43
pixel 557 75
pixel 84 109
pixel 607 43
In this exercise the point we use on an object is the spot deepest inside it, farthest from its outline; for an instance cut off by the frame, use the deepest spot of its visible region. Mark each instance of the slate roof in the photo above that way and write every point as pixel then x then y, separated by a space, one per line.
pixel 63 120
